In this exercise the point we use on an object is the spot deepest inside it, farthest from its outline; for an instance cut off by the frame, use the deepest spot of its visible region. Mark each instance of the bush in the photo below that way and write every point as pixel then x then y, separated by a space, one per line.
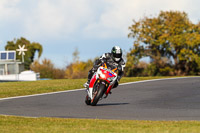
pixel 166 71
pixel 47 69
pixel 78 69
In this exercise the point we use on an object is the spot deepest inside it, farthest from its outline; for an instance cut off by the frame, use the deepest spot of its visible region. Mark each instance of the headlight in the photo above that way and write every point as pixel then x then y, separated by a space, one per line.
pixel 102 75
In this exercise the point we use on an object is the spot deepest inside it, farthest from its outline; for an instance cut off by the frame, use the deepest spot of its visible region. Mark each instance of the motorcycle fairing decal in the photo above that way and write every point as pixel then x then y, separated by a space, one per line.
pixel 92 81
pixel 111 71
pixel 90 93
pixel 114 70
pixel 104 65
pixel 110 74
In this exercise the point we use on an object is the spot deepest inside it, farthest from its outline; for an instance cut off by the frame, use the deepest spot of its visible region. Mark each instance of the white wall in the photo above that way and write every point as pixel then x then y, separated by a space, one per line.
pixel 20 77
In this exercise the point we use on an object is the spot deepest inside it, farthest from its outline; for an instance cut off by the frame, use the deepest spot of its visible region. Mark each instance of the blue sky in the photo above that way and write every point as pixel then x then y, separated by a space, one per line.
pixel 92 26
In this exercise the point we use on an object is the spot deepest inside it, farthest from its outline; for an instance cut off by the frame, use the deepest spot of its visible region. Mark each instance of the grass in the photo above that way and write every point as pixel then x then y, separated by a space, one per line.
pixel 10 89
pixel 12 124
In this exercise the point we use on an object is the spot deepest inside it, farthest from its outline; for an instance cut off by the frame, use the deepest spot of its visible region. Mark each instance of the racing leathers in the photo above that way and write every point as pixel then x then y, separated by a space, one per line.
pixel 107 58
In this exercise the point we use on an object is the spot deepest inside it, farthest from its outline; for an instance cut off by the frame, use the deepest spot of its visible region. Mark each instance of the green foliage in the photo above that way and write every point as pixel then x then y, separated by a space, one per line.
pixel 47 69
pixel 78 69
pixel 166 71
pixel 30 54
pixel 170 36
pixel 130 64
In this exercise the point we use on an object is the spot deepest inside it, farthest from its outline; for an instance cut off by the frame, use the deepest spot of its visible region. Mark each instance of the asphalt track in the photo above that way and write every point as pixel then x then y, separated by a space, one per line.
pixel 171 99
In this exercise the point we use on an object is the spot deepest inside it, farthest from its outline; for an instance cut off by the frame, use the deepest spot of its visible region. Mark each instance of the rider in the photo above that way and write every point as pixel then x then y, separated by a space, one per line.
pixel 114 59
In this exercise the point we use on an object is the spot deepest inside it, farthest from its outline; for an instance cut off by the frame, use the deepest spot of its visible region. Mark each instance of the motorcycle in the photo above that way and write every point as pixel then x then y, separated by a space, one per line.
pixel 101 84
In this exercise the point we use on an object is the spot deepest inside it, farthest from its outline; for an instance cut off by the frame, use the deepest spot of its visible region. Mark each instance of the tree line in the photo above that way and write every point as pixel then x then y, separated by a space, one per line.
pixel 170 41
pixel 75 70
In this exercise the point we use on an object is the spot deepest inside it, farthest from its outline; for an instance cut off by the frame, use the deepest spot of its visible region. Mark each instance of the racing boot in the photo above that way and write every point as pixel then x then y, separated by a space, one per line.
pixel 90 73
pixel 86 85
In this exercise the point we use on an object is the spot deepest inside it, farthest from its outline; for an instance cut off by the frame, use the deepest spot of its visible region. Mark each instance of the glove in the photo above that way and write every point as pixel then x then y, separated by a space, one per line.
pixel 119 68
pixel 103 61
pixel 118 78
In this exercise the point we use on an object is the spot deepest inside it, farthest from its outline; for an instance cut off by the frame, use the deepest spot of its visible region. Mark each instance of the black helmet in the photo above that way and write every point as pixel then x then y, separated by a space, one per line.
pixel 116 53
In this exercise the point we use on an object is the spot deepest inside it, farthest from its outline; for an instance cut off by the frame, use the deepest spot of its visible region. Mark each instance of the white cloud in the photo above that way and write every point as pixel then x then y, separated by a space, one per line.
pixel 117 17
pixel 90 19
pixel 57 18
pixel 114 21
pixel 44 20
pixel 9 10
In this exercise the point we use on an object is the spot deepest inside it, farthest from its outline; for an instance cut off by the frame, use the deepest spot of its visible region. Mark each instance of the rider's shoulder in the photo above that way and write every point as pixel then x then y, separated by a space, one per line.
pixel 105 55
pixel 108 55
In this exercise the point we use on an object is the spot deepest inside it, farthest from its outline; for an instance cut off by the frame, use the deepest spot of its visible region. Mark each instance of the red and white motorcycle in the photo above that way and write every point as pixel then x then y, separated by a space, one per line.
pixel 100 84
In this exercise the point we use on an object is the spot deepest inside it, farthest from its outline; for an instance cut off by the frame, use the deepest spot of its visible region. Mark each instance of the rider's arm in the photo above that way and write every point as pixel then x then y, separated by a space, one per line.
pixel 120 74
pixel 120 70
pixel 100 60
pixel 96 63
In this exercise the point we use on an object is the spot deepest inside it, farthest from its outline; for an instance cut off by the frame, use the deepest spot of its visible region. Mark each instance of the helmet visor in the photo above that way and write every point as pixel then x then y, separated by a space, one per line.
pixel 117 55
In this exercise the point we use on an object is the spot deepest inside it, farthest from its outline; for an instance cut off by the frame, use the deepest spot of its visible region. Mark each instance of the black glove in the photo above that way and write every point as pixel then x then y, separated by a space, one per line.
pixel 103 61
pixel 119 68
pixel 118 78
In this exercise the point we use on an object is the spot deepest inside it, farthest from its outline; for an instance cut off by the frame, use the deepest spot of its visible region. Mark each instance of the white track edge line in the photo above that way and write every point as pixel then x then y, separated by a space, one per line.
pixel 1 99
pixel 33 117
pixel 143 81
pixel 50 93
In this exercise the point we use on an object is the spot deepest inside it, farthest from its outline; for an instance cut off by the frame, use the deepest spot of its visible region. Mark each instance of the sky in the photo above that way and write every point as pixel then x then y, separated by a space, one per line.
pixel 91 26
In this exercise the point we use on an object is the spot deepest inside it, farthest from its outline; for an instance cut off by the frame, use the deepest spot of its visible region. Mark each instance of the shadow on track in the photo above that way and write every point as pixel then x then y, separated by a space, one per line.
pixel 112 104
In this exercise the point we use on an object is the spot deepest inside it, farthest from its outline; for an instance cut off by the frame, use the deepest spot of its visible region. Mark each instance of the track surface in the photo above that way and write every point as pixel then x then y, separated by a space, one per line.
pixel 173 99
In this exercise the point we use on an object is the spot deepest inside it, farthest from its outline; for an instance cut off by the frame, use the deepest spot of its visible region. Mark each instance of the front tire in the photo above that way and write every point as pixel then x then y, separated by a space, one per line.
pixel 87 100
pixel 99 93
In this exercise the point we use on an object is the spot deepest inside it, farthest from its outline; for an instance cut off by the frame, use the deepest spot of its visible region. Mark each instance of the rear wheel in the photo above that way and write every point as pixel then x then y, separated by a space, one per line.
pixel 98 94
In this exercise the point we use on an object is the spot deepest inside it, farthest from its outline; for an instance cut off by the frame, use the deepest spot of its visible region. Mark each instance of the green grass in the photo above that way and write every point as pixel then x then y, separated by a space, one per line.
pixel 133 79
pixel 11 124
pixel 10 89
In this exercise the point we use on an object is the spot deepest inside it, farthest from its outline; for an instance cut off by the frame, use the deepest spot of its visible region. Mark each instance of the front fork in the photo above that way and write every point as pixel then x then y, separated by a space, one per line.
pixel 108 90
pixel 91 90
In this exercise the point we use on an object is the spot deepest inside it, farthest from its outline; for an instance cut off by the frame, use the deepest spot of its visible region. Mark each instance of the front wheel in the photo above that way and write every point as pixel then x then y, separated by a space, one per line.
pixel 98 94
pixel 87 100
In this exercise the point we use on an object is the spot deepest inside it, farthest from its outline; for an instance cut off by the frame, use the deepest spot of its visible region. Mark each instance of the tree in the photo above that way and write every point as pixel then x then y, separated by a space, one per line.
pixel 30 54
pixel 170 35
pixel 47 69
pixel 78 69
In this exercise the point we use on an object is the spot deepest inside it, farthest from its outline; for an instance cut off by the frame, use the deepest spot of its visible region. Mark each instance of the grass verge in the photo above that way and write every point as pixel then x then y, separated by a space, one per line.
pixel 12 124
pixel 11 89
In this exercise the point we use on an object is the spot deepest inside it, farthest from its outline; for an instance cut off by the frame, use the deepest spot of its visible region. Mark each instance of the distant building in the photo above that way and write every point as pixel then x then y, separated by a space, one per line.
pixel 9 64
pixel 13 70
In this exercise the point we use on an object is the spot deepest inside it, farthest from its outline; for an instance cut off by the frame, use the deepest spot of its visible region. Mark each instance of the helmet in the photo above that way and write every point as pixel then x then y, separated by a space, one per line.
pixel 116 53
